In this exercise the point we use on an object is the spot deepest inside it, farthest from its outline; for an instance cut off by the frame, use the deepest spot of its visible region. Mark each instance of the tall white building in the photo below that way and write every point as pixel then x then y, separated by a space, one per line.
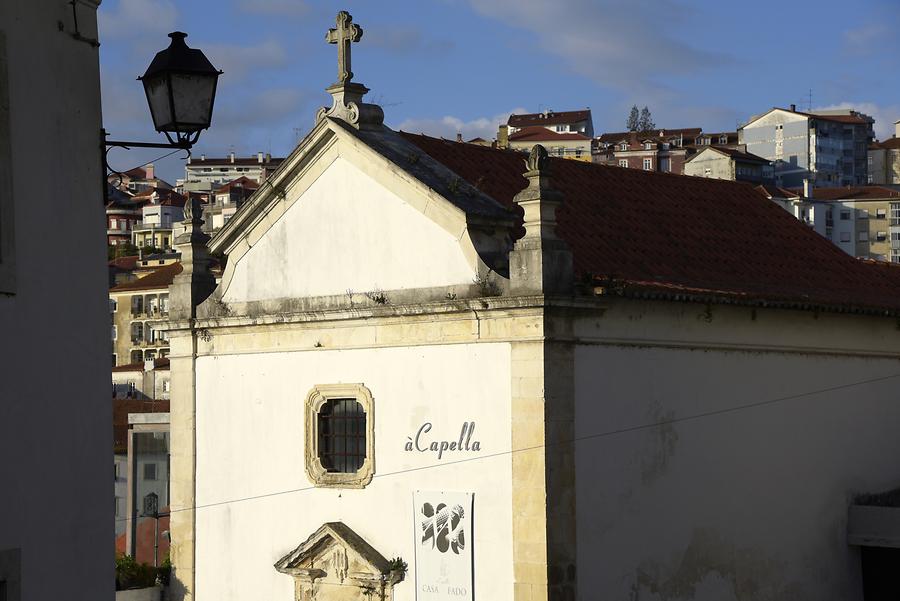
pixel 56 519
pixel 205 174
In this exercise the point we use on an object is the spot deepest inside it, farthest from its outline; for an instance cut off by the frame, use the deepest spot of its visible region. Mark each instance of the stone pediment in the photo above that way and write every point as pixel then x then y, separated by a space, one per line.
pixel 336 563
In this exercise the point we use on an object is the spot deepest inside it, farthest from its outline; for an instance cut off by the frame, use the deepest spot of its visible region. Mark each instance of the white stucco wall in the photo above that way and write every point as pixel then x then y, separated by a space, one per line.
pixel 250 441
pixel 55 414
pixel 347 232
pixel 745 505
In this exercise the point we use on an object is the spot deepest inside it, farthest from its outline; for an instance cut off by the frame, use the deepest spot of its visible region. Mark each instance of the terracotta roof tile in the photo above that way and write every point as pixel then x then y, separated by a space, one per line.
pixel 549 118
pixel 657 235
pixel 160 278
pixel 536 134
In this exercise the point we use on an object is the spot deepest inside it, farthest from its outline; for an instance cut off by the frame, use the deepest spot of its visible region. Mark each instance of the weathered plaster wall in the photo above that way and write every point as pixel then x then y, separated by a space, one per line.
pixel 55 416
pixel 250 441
pixel 750 504
pixel 720 167
pixel 348 232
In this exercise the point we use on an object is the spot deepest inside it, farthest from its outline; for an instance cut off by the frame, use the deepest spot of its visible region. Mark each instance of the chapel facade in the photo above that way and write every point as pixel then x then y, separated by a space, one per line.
pixel 434 370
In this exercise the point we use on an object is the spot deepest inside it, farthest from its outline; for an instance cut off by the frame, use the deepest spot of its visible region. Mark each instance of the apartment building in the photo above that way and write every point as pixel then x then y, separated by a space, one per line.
pixel 566 134
pixel 137 180
pixel 829 148
pixel 137 308
pixel 660 150
pixel 205 174
pixel 161 209
pixel 723 162
pixel 884 160
pixel 225 201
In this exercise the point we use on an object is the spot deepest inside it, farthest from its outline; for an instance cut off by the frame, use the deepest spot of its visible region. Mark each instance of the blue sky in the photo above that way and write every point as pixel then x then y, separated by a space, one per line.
pixel 442 66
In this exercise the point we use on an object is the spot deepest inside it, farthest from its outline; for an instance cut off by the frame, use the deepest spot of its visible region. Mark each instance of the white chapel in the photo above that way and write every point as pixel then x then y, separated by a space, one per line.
pixel 434 370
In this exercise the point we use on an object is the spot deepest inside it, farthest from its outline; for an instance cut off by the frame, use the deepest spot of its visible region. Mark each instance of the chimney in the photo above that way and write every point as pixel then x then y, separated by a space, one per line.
pixel 503 136
pixel 540 262
pixel 202 157
pixel 896 128
pixel 148 170
pixel 268 157
pixel 807 188
pixel 231 156
pixel 259 157
pixel 459 137
pixel 793 108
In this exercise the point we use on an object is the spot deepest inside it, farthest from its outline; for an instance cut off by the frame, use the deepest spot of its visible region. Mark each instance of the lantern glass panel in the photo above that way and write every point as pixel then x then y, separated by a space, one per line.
pixel 157 89
pixel 193 96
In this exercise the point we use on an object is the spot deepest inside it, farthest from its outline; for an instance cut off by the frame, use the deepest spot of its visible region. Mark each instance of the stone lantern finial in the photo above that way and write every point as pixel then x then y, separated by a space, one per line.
pixel 540 262
pixel 195 282
pixel 347 95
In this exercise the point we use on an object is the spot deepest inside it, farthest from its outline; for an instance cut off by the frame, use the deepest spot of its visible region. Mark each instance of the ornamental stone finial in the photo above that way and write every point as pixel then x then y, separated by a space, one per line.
pixel 540 262
pixel 537 159
pixel 347 95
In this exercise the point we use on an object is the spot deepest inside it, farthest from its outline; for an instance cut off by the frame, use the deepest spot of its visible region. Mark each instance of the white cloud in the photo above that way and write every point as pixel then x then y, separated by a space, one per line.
pixel 626 45
pixel 448 126
pixel 400 39
pixel 884 115
pixel 131 18
pixel 273 7
pixel 238 61
pixel 865 40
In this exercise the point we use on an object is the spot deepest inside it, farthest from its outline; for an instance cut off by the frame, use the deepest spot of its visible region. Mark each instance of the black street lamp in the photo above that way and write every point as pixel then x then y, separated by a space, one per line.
pixel 180 85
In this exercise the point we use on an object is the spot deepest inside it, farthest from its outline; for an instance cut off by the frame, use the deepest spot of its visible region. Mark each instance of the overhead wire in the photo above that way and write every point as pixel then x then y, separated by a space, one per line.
pixel 598 435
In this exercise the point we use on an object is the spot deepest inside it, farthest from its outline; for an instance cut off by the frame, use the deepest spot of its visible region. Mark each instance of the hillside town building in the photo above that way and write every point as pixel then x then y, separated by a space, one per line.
pixel 435 370
pixel 137 309
pixel 205 174
pixel 722 162
pixel 884 160
pixel 828 148
pixel 161 209
pixel 566 134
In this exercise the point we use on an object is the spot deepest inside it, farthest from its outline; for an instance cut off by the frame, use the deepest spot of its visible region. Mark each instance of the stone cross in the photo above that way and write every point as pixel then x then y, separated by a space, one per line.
pixel 346 32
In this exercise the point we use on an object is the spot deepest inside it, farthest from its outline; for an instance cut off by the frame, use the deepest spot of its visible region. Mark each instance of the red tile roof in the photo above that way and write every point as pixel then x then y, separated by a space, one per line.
pixel 889 144
pixel 549 118
pixel 121 409
pixel 688 133
pixel 242 182
pixel 855 193
pixel 656 235
pixel 160 278
pixel 536 134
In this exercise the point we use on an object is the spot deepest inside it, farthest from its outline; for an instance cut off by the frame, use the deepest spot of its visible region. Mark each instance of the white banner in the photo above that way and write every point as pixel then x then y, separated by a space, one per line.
pixel 444 558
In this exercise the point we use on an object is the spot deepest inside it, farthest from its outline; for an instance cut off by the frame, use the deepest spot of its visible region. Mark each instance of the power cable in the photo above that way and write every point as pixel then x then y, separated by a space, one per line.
pixel 565 442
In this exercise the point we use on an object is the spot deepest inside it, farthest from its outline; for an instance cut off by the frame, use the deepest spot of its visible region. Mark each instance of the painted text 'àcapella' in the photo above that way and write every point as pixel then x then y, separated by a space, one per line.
pixel 465 442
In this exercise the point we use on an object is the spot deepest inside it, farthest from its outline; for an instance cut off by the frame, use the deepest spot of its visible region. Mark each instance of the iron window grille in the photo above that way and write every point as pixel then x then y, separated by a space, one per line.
pixel 342 436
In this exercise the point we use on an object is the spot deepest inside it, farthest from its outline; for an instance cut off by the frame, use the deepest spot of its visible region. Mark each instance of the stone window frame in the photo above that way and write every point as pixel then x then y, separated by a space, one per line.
pixel 317 397
pixel 7 217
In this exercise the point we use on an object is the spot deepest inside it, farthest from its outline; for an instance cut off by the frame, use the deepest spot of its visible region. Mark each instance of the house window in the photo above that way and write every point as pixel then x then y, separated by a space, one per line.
pixel 11 575
pixel 623 146
pixel 707 172
pixel 114 333
pixel 623 162
pixel 648 146
pixel 149 471
pixel 864 213
pixel 881 213
pixel 113 305
pixel 845 236
pixel 881 236
pixel 845 215
pixel 723 139
pixel 340 436
pixel 862 236
pixel 648 164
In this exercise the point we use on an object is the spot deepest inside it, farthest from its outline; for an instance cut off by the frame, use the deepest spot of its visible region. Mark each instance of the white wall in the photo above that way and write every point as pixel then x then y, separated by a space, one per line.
pixel 250 441
pixel 744 505
pixel 347 232
pixel 55 410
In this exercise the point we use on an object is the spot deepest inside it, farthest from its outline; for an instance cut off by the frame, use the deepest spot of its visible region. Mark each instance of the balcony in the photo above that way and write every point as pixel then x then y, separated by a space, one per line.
pixel 151 227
